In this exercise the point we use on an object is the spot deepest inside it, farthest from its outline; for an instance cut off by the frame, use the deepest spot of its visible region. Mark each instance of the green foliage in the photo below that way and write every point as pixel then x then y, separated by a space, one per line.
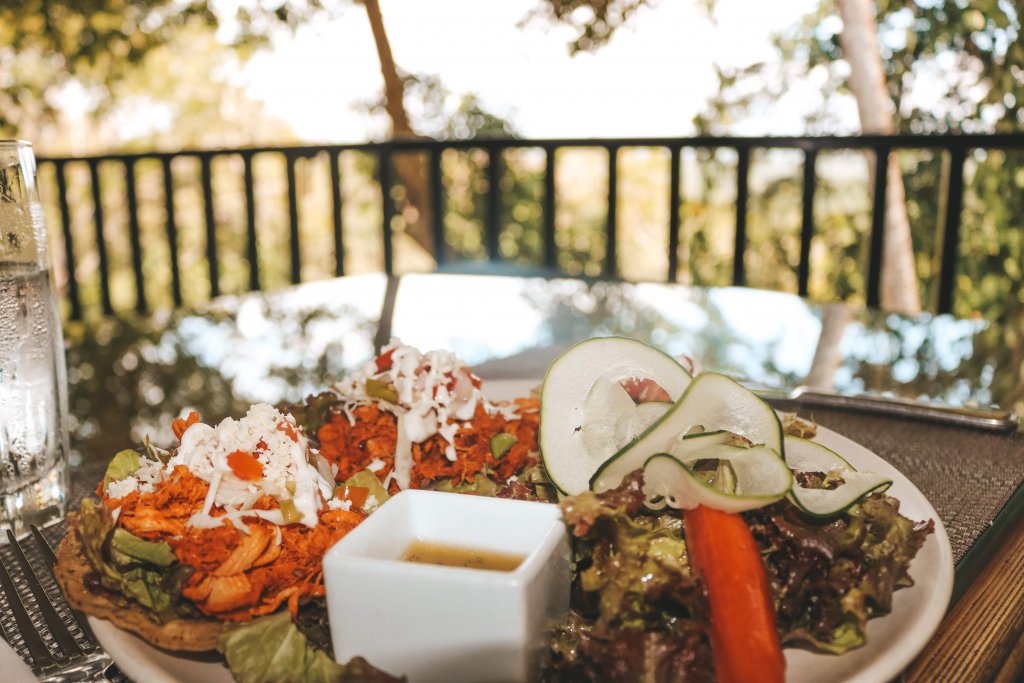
pixel 951 67
pixel 47 45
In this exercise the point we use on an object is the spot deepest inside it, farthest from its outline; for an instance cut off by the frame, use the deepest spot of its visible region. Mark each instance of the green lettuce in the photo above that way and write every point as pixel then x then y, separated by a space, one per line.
pixel 637 611
pixel 638 614
pixel 831 576
pixel 273 650
pixel 143 571
pixel 313 413
pixel 122 465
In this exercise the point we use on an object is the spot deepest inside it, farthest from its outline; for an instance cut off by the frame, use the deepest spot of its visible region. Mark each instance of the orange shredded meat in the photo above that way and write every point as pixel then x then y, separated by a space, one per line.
pixel 237 575
pixel 373 436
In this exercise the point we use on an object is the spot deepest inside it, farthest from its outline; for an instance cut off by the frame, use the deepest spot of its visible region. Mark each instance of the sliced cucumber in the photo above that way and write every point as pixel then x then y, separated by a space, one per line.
pixel 635 421
pixel 759 478
pixel 713 402
pixel 687 447
pixel 606 405
pixel 581 407
pixel 808 456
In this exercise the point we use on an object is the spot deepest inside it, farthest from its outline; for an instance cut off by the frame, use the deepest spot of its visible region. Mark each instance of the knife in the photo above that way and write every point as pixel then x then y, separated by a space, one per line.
pixel 988 419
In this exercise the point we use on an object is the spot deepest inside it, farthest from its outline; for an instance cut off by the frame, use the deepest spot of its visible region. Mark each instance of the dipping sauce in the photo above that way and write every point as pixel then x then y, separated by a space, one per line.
pixel 428 552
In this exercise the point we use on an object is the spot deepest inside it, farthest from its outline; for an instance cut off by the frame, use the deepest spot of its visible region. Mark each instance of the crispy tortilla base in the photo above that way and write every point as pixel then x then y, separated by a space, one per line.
pixel 190 635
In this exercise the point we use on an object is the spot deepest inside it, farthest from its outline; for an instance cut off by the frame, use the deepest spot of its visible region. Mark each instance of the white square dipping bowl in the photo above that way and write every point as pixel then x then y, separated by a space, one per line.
pixel 446 624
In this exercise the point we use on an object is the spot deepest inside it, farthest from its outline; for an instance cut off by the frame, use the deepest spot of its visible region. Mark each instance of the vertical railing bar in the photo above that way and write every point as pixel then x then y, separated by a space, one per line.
pixel 548 209
pixel 388 205
pixel 206 174
pixel 69 245
pixel 141 305
pixel 877 225
pixel 611 265
pixel 807 224
pixel 742 193
pixel 674 202
pixel 336 215
pixel 492 221
pixel 171 224
pixel 293 220
pixel 437 205
pixel 951 231
pixel 101 242
pixel 251 243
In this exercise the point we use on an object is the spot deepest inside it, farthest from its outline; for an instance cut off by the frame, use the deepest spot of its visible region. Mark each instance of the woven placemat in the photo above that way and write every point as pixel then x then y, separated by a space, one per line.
pixel 968 475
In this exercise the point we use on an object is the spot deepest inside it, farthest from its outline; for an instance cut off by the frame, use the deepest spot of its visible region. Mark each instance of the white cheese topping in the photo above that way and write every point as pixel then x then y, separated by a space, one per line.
pixel 290 469
pixel 436 393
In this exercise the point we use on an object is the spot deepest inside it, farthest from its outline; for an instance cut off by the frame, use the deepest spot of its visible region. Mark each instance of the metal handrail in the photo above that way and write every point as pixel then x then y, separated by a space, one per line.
pixel 955 146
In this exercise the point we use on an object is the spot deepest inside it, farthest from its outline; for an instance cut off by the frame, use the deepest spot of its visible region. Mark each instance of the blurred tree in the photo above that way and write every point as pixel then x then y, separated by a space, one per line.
pixel 593 21
pixel 59 52
pixel 949 67
pixel 54 49
pixel 900 290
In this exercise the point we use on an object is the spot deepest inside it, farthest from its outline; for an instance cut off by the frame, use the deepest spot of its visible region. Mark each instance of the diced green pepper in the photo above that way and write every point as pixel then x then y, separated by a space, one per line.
pixel 382 390
pixel 289 512
pixel 369 480
pixel 501 443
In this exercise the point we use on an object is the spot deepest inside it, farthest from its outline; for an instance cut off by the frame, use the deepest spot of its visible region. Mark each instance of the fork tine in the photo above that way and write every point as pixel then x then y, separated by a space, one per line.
pixel 37 650
pixel 58 629
pixel 92 643
pixel 51 557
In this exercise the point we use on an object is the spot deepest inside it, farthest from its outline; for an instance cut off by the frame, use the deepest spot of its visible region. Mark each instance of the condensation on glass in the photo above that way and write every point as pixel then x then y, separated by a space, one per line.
pixel 33 385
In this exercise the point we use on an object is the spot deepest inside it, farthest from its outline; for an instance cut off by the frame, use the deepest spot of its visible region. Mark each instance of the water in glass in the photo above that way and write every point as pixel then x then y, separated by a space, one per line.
pixel 33 385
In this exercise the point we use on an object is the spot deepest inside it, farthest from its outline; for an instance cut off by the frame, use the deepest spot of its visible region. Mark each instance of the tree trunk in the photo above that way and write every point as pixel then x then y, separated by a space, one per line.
pixel 409 168
pixel 900 290
pixel 827 357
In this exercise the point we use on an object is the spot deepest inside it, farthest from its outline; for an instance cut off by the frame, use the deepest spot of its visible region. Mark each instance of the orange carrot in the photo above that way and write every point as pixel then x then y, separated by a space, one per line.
pixel 744 639
pixel 245 466
pixel 289 429
pixel 179 425
pixel 357 495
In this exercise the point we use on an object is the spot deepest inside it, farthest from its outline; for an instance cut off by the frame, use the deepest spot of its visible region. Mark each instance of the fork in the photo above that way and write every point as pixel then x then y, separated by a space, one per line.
pixel 73 661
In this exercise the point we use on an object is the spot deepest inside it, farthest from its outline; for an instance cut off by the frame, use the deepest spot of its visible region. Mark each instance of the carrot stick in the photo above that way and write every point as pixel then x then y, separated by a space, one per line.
pixel 744 640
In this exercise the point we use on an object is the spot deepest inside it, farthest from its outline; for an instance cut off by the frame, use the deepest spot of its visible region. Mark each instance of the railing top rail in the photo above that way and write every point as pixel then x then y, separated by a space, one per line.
pixel 806 143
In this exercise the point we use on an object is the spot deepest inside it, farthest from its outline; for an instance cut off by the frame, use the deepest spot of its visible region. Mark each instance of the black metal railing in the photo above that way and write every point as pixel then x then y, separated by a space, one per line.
pixel 955 147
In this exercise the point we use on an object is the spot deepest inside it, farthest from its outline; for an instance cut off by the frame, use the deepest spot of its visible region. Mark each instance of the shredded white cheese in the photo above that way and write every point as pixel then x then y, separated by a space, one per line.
pixel 437 394
pixel 291 470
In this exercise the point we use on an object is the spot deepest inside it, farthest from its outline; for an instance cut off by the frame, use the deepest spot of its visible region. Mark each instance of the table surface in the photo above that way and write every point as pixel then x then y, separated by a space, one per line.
pixel 130 377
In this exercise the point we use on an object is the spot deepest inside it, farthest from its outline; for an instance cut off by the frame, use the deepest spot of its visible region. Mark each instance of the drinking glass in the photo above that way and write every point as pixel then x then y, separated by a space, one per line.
pixel 33 384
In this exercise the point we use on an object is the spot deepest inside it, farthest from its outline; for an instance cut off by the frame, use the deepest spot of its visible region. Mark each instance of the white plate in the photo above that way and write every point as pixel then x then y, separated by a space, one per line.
pixel 893 640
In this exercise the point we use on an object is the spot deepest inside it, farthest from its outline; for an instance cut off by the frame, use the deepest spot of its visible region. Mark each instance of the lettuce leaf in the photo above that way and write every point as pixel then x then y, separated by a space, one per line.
pixel 146 572
pixel 122 465
pixel 272 649
pixel 638 613
pixel 313 413
pixel 831 576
